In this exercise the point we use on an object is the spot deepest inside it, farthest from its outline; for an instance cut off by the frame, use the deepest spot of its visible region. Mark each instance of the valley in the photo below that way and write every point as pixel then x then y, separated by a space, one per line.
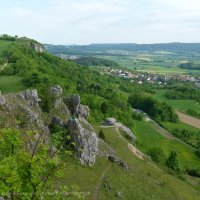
pixel 64 105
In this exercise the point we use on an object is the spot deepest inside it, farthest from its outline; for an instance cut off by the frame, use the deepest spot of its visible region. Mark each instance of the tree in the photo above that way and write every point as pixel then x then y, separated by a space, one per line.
pixel 157 155
pixel 26 170
pixel 104 107
pixel 172 161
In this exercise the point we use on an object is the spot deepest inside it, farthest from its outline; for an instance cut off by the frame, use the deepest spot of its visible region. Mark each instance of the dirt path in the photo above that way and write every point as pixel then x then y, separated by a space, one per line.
pixel 189 120
pixel 98 186
pixel 162 131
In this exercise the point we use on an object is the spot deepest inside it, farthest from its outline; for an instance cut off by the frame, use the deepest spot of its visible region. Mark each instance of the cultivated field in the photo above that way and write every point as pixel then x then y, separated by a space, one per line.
pixel 189 120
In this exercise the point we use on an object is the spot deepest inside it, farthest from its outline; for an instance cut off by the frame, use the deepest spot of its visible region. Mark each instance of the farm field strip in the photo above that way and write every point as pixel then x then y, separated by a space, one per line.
pixel 189 120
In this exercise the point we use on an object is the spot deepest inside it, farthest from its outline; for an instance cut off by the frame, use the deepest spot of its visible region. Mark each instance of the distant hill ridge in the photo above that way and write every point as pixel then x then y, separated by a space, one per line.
pixel 172 47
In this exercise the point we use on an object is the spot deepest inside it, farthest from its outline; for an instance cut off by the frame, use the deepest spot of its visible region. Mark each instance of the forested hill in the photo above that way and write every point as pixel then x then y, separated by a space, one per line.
pixel 92 61
pixel 102 48
pixel 106 95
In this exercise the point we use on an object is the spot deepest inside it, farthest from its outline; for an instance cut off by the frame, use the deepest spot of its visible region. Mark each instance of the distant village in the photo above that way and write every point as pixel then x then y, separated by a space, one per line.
pixel 152 78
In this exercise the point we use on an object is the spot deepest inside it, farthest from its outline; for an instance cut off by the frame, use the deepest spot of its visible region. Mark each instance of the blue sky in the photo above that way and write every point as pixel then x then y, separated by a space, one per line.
pixel 105 21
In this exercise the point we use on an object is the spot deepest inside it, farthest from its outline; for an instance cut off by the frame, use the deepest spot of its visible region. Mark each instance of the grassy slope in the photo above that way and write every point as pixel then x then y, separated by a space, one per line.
pixel 141 181
pixel 11 84
pixel 149 138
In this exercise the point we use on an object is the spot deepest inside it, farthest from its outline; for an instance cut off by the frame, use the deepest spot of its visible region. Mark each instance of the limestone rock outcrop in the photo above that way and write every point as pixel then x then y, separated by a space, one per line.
pixel 127 131
pixel 81 132
pixel 22 111
pixel 86 141
pixel 37 47
pixel 25 109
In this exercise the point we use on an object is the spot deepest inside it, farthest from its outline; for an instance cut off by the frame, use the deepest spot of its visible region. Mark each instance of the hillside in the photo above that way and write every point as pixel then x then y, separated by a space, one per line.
pixel 54 142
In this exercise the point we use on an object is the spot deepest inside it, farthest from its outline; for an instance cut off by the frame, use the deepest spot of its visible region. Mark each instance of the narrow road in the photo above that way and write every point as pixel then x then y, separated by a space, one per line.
pixel 192 121
pixel 98 186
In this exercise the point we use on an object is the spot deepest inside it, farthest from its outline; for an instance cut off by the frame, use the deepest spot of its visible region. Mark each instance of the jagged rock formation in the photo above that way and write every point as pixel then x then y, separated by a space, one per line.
pixel 70 115
pixel 37 47
pixel 74 119
pixel 86 141
pixel 22 111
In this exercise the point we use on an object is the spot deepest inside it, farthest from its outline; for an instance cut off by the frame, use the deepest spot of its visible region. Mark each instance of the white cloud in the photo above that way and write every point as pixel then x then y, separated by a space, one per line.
pixel 89 21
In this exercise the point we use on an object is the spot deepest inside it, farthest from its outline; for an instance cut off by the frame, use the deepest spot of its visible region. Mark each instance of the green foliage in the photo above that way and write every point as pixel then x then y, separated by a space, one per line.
pixel 7 37
pixel 193 172
pixel 158 111
pixel 198 152
pixel 190 65
pixel 183 92
pixel 25 172
pixel 92 61
pixel 157 155
pixel 193 113
pixel 172 162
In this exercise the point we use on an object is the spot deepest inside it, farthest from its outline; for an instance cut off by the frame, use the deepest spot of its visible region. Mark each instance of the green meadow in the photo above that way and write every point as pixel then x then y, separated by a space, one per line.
pixel 148 138
pixel 181 105
pixel 9 84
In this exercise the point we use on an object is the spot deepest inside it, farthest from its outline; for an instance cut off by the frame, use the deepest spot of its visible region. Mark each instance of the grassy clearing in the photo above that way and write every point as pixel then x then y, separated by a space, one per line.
pixel 149 138
pixel 10 84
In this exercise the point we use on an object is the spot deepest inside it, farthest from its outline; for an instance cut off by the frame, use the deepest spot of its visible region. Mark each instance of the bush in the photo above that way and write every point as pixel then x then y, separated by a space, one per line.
pixel 193 172
pixel 157 155
pixel 198 153
pixel 172 161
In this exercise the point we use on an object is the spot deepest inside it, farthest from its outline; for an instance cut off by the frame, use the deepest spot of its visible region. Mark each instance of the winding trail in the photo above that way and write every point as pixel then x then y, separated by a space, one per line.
pixel 98 186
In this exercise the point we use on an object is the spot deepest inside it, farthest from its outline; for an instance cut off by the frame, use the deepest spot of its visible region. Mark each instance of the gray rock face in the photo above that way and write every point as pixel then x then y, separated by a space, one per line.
pixel 58 121
pixel 86 141
pixel 84 111
pixel 2 101
pixel 56 91
pixel 75 103
pixel 126 131
pixel 37 47
pixel 25 109
pixel 31 96
pixel 110 121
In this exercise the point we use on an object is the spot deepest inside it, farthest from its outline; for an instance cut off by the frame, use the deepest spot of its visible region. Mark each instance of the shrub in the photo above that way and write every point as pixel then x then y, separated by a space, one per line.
pixel 172 161
pixel 157 155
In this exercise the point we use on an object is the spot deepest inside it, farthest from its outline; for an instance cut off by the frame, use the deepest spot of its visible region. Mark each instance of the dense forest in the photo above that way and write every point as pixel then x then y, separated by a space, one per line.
pixel 183 92
pixel 92 61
